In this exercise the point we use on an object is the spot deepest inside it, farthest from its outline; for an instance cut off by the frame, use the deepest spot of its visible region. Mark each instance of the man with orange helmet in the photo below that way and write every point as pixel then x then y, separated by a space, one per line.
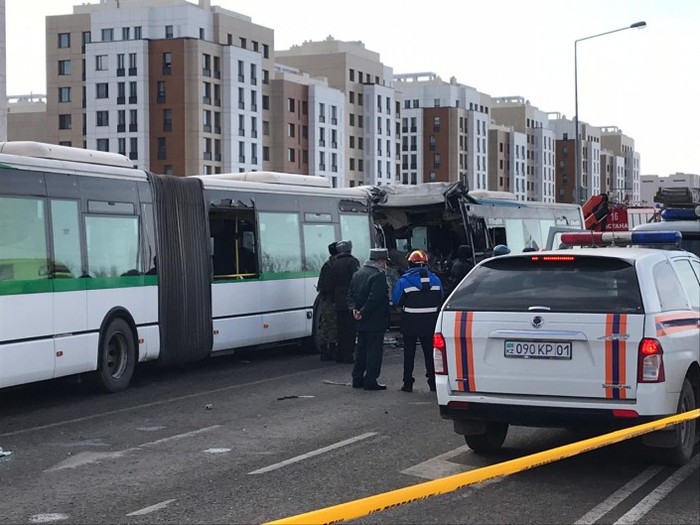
pixel 418 293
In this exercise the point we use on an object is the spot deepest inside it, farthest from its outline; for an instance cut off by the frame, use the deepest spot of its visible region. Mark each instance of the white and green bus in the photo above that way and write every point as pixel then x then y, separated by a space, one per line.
pixel 103 265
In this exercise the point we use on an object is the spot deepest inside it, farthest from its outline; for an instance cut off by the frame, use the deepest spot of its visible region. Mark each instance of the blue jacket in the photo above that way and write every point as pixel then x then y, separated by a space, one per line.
pixel 418 293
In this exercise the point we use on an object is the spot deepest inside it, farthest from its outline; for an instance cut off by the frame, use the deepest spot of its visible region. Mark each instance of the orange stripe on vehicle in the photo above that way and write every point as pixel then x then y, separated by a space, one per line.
pixel 470 352
pixel 674 323
pixel 608 354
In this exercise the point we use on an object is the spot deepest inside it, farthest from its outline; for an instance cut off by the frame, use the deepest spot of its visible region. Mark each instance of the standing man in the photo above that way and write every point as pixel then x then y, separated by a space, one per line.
pixel 419 295
pixel 368 299
pixel 341 273
pixel 327 328
pixel 462 265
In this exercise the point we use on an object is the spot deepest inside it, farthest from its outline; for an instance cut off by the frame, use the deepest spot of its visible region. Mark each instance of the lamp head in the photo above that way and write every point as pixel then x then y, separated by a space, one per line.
pixel 638 25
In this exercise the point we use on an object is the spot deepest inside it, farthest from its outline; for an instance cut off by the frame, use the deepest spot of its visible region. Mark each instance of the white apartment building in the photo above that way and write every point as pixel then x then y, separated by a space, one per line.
pixel 612 138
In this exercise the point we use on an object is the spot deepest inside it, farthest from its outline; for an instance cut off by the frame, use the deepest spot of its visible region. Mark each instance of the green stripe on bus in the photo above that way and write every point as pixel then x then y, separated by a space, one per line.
pixel 269 277
pixel 75 285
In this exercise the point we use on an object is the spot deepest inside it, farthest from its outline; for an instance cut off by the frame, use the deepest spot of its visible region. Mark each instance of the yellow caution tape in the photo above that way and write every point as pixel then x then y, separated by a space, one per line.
pixel 428 489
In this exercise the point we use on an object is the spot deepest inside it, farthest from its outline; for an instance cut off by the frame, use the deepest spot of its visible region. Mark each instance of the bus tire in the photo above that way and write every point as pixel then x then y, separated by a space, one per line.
pixel 684 434
pixel 117 357
pixel 489 441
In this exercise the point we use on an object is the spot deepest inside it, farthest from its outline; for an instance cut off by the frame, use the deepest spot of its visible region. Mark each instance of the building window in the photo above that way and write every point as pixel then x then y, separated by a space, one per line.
pixel 125 33
pixel 201 33
pixel 291 105
pixel 266 51
pixel 132 93
pixel 102 118
pixel 243 43
pixel 168 31
pixel 436 124
pixel 167 119
pixel 101 63
pixel 102 144
pixel 266 102
pixel 167 63
pixel 132 64
pixel 291 155
pixel 107 35
pixel 65 121
pixel 121 146
pixel 102 90
pixel 162 152
pixel 160 92
pixel 137 32
pixel 64 94
pixel 133 148
pixel 64 67
pixel 64 40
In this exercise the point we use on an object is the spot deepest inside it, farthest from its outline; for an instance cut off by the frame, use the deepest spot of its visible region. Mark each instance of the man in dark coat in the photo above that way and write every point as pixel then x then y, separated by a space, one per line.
pixel 418 293
pixel 342 270
pixel 462 265
pixel 368 299
pixel 327 326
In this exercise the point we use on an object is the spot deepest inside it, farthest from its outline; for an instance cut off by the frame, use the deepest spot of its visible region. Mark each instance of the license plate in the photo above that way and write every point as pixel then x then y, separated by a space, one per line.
pixel 538 349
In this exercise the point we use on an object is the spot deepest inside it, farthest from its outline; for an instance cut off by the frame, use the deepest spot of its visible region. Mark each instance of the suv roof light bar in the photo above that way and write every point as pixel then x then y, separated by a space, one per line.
pixel 621 238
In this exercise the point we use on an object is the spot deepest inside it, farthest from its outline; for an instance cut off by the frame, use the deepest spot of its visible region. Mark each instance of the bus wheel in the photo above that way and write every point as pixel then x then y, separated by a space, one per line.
pixel 117 357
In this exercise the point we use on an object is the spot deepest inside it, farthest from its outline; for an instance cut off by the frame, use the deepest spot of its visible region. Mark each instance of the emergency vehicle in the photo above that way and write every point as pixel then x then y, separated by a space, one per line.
pixel 603 335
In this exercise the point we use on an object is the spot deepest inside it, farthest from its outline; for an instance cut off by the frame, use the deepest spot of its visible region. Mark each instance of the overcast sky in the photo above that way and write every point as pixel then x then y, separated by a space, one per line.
pixel 646 82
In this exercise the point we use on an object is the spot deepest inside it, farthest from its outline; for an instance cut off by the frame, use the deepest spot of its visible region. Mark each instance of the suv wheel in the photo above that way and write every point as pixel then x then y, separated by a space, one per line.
pixel 490 441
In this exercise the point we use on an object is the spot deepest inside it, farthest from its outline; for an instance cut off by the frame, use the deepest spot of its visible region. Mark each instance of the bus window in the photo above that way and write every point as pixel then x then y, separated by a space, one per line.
pixel 67 261
pixel 280 242
pixel 234 253
pixel 356 229
pixel 23 255
pixel 112 245
pixel 317 237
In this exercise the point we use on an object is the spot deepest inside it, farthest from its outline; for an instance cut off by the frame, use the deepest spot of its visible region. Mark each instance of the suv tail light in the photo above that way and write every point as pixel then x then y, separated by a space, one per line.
pixel 439 354
pixel 651 362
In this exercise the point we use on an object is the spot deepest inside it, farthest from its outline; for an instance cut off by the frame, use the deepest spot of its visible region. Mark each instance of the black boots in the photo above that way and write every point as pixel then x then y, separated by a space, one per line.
pixel 407 385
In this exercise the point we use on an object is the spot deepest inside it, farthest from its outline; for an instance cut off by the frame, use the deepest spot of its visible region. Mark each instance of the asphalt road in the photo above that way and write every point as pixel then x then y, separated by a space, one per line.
pixel 264 435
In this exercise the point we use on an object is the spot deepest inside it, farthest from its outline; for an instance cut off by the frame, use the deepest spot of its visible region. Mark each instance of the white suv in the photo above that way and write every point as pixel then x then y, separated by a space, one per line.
pixel 570 338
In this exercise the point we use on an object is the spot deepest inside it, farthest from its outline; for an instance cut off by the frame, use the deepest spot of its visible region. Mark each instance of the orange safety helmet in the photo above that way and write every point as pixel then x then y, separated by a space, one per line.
pixel 418 257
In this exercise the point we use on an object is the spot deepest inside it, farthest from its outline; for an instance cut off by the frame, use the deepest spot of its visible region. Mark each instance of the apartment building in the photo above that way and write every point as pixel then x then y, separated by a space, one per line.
pixel 612 139
pixel 307 126
pixel 26 117
pixel 176 86
pixel 527 119
pixel 444 130
pixel 369 104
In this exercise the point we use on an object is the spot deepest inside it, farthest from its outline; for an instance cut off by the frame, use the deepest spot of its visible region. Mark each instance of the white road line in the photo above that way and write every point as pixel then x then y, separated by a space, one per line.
pixel 152 508
pixel 439 467
pixel 313 453
pixel 156 403
pixel 86 458
pixel 655 496
pixel 618 496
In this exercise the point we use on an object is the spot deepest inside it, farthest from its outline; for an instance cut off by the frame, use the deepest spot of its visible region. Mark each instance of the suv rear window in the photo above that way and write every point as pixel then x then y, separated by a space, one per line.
pixel 566 283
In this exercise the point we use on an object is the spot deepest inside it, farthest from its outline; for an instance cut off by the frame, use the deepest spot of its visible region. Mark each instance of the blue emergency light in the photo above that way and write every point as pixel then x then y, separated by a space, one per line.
pixel 621 238
pixel 680 214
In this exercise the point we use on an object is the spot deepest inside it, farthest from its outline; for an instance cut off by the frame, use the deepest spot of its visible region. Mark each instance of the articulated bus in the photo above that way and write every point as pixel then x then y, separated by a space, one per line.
pixel 103 265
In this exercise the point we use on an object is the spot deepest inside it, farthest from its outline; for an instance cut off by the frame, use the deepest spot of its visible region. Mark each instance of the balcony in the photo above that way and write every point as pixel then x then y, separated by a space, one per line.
pixel 121 128
pixel 207 128
pixel 121 100
pixel 132 71
pixel 121 72
pixel 241 132
pixel 217 157
pixel 133 155
pixel 133 127
pixel 207 155
pixel 217 74
pixel 334 121
pixel 206 100
pixel 241 78
pixel 322 143
pixel 206 72
pixel 217 129
pixel 217 102
pixel 133 99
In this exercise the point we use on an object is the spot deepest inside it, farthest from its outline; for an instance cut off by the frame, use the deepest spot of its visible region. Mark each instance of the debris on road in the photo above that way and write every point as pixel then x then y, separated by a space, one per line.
pixel 292 397
pixel 208 406
pixel 4 453
pixel 329 382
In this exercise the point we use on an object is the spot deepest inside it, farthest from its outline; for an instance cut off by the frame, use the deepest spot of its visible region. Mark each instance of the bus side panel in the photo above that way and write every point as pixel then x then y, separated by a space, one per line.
pixel 237 309
pixel 140 302
pixel 26 362
pixel 76 354
pixel 25 316
pixel 149 348
pixel 285 302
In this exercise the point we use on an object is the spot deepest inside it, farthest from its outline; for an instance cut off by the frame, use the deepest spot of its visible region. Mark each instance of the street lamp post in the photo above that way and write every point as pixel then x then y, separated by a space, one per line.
pixel 578 189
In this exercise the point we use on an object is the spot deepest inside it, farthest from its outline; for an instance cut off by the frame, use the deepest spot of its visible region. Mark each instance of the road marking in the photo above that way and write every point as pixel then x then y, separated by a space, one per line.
pixel 152 508
pixel 618 496
pixel 217 450
pixel 87 458
pixel 157 403
pixel 47 518
pixel 313 453
pixel 655 496
pixel 439 467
